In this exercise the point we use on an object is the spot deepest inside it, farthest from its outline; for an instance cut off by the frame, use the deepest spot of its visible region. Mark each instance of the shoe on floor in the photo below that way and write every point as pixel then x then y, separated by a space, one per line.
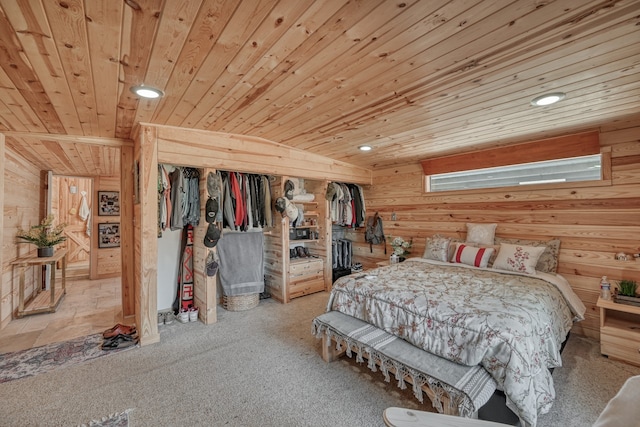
pixel 160 319
pixel 183 317
pixel 120 341
pixel 169 318
pixel 119 329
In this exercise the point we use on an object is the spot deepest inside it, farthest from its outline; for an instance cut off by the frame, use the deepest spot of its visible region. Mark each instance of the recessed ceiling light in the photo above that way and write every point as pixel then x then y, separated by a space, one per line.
pixel 147 91
pixel 548 99
pixel 365 148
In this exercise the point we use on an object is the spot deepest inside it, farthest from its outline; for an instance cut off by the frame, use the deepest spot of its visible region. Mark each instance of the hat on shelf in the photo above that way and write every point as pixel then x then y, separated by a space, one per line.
pixel 289 186
pixel 211 210
pixel 291 210
pixel 280 204
pixel 212 265
pixel 212 236
pixel 214 186
pixel 331 192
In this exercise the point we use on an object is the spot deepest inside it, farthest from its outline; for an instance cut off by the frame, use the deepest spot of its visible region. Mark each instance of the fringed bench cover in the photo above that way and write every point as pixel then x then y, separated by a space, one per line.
pixel 466 388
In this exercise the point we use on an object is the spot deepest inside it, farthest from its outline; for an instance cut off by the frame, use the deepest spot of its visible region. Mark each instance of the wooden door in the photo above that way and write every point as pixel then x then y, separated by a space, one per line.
pixel 67 206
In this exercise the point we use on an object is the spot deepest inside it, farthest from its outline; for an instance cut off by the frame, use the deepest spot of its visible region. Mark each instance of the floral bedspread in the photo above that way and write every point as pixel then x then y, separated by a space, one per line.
pixel 511 324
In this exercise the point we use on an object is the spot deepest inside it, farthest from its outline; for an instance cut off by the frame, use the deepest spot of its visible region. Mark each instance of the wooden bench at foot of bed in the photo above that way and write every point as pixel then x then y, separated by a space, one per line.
pixel 452 388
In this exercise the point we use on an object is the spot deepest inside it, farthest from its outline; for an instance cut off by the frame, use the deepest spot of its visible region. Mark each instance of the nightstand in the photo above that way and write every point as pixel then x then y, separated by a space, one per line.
pixel 620 331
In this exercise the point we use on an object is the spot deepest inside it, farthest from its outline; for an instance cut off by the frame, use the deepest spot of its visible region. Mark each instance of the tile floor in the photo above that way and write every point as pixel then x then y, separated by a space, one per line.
pixel 89 307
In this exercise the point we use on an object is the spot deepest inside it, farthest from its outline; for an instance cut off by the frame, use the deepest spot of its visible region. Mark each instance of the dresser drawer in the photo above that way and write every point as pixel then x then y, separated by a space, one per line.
pixel 306 287
pixel 305 267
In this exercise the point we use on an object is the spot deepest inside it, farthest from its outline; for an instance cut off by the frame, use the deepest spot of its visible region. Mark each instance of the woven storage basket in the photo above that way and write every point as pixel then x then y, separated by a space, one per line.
pixel 240 302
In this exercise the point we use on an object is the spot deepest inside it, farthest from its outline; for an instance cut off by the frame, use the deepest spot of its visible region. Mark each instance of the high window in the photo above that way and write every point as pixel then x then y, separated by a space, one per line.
pixel 558 162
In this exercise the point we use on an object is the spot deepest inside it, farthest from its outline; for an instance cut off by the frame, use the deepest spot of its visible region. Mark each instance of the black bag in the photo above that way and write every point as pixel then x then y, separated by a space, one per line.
pixel 374 233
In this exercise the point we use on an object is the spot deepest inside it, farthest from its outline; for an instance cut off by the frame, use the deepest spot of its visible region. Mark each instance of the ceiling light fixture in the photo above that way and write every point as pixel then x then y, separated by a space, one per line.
pixel 548 99
pixel 147 91
pixel 364 148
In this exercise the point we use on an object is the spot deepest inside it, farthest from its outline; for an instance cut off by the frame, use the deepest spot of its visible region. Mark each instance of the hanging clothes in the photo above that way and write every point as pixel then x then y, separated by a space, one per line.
pixel 346 204
pixel 176 199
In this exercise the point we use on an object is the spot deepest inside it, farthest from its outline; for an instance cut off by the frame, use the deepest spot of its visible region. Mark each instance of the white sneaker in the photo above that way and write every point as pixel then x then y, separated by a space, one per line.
pixel 183 317
pixel 193 315
pixel 160 319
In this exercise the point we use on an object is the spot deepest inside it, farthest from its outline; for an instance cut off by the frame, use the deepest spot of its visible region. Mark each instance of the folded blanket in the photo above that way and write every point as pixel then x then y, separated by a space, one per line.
pixel 241 264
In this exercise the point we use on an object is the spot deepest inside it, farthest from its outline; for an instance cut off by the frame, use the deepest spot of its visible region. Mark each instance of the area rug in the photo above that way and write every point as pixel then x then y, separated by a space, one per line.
pixel 26 363
pixel 115 420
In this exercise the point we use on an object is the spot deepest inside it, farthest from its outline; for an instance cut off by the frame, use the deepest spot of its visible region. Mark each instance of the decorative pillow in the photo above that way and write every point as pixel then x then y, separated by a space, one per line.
pixel 470 255
pixel 437 248
pixel 518 258
pixel 548 261
pixel 481 233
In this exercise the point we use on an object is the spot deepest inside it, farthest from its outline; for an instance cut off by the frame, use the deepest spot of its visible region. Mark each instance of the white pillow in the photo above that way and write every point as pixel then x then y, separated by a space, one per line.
pixel 483 234
pixel 520 258
pixel 470 255
pixel 437 248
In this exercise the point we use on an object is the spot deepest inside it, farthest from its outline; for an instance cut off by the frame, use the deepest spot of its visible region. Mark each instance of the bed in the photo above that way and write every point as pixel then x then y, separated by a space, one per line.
pixel 510 323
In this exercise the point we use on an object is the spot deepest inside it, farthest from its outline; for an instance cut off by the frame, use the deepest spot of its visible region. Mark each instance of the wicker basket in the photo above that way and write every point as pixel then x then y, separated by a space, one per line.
pixel 240 302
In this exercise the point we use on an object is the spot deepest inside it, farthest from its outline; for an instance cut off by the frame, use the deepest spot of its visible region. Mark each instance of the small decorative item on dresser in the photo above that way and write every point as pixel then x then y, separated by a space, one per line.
pixel 605 288
pixel 621 256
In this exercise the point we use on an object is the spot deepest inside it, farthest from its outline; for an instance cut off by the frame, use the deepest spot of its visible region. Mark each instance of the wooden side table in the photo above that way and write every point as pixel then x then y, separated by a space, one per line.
pixel 620 331
pixel 44 301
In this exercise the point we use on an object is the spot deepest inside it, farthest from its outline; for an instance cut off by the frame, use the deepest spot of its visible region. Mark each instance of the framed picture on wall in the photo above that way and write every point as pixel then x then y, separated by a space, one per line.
pixel 109 235
pixel 108 203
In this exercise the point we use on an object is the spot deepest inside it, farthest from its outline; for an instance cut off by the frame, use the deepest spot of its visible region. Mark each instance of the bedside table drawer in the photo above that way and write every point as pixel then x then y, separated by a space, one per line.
pixel 618 346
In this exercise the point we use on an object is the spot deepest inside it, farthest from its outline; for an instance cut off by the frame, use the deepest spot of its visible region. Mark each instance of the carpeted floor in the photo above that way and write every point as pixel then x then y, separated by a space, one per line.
pixel 262 367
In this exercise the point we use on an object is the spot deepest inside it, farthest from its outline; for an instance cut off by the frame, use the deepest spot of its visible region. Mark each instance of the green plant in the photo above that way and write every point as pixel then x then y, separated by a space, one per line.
pixel 627 287
pixel 44 235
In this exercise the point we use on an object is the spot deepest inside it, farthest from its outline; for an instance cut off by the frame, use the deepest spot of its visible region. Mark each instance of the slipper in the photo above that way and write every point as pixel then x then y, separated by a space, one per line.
pixel 120 341
pixel 119 329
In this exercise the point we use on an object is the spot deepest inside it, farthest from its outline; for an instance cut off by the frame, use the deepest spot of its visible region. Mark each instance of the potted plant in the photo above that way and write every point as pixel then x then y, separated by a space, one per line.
pixel 45 236
pixel 626 292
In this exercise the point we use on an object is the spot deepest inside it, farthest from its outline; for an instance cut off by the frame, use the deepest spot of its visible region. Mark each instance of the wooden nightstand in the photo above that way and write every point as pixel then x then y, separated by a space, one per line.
pixel 620 331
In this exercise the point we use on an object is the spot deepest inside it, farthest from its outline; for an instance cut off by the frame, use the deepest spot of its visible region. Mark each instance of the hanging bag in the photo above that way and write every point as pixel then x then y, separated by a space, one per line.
pixel 374 233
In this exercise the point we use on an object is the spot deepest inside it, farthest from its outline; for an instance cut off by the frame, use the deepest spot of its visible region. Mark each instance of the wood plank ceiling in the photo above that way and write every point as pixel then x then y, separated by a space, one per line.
pixel 413 79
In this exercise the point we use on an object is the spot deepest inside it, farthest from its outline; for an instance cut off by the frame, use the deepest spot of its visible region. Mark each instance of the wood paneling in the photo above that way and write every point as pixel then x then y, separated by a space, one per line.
pixel 205 287
pixel 414 79
pixel 105 262
pixel 147 256
pixel 577 145
pixel 22 206
pixel 593 224
pixel 127 231
pixel 240 153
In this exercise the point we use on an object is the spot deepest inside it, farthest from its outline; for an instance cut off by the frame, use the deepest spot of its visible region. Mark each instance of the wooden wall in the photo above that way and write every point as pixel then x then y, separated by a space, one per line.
pixel 593 223
pixel 106 262
pixel 23 203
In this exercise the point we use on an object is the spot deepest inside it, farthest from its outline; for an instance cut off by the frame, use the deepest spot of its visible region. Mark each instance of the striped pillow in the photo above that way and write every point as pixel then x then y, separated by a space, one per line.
pixel 477 257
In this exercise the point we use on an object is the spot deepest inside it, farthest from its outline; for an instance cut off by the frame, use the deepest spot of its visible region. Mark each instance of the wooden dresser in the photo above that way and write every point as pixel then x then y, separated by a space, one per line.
pixel 620 331
pixel 306 276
